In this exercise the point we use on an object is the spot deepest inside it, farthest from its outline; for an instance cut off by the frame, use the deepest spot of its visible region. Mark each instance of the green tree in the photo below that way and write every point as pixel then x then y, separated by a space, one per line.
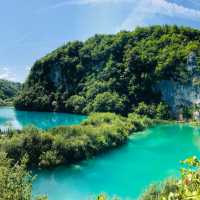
pixel 75 104
pixel 107 102
pixel 15 181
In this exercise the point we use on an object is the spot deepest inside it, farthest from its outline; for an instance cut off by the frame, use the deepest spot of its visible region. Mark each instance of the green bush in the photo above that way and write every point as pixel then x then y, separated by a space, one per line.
pixel 50 158
pixel 187 112
pixel 75 104
pixel 162 111
pixel 144 109
pixel 8 90
pixel 15 181
pixel 66 145
pixel 107 102
pixel 187 187
pixel 139 123
pixel 159 111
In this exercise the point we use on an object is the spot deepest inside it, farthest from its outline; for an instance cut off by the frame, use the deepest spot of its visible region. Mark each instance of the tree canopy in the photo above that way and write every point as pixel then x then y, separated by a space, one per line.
pixel 111 73
pixel 8 90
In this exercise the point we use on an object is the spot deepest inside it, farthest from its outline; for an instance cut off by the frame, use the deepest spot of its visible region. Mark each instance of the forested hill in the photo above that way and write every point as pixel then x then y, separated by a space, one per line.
pixel 110 72
pixel 8 90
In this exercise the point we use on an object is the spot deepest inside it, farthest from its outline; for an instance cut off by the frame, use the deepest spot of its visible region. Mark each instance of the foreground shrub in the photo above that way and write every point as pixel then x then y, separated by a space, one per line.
pixel 13 184
pixel 188 187
pixel 15 181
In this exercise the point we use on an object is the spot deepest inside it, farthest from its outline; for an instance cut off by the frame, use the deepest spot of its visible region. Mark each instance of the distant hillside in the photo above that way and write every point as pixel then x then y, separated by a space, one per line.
pixel 8 90
pixel 110 72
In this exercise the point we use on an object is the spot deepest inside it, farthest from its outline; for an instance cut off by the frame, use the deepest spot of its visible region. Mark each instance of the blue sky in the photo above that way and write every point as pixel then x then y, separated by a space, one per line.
pixel 30 29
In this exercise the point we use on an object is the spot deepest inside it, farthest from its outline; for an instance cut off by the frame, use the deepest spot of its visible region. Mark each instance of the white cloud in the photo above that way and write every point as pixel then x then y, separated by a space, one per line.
pixel 5 73
pixel 191 3
pixel 28 68
pixel 87 2
pixel 173 9
pixel 145 9
pixel 142 10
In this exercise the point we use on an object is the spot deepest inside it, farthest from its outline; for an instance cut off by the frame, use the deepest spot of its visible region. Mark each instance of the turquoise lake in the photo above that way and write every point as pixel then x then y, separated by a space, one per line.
pixel 9 117
pixel 148 157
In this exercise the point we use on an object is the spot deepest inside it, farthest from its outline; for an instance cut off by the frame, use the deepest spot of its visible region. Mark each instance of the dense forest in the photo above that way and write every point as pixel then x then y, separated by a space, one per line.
pixel 8 90
pixel 115 73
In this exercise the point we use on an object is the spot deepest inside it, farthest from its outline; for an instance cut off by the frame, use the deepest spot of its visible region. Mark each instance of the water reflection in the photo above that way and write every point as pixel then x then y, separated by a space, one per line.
pixel 18 119
pixel 196 137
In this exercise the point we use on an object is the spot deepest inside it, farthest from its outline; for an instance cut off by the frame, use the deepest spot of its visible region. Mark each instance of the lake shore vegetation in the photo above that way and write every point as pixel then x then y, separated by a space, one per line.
pixel 67 145
pixel 8 91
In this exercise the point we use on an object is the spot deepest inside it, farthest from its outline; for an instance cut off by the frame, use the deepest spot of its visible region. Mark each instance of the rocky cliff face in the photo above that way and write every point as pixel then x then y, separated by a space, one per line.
pixel 179 95
pixel 57 77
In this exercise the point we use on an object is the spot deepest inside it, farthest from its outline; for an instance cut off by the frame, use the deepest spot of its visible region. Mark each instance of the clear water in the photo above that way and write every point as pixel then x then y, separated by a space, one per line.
pixel 9 117
pixel 150 156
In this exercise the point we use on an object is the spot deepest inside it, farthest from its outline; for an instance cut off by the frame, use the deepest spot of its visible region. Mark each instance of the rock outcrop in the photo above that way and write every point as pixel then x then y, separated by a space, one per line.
pixel 179 95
